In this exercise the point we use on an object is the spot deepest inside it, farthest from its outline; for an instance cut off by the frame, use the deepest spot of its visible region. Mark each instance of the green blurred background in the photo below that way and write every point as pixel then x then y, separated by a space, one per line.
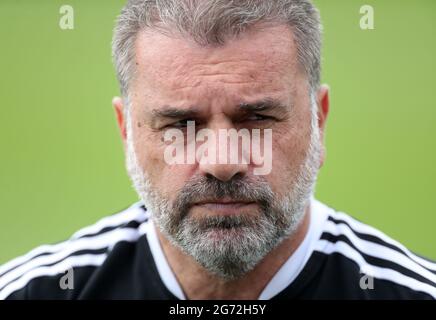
pixel 62 163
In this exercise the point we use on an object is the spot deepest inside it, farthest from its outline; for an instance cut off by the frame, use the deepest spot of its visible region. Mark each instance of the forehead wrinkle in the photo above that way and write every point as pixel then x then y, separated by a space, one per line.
pixel 173 61
pixel 269 79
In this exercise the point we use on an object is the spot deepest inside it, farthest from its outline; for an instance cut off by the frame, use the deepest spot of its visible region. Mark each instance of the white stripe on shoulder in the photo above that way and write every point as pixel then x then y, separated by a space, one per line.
pixel 344 249
pixel 378 251
pixel 366 229
pixel 61 267
pixel 134 212
pixel 102 241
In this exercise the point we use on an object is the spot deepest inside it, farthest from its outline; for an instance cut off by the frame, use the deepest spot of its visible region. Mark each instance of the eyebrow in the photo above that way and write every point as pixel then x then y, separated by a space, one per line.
pixel 171 112
pixel 267 104
pixel 168 112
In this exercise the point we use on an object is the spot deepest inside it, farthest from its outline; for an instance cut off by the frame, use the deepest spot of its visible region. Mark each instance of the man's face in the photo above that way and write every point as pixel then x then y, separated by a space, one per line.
pixel 223 215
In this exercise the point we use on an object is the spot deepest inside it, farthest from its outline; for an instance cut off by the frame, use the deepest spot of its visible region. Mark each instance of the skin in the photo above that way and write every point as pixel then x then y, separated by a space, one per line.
pixel 261 63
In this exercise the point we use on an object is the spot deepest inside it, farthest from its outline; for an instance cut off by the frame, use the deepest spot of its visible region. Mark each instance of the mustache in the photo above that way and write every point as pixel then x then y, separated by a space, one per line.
pixel 205 188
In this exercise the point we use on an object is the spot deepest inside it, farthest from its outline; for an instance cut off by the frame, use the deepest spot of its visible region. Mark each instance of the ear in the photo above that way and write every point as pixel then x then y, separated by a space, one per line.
pixel 323 110
pixel 118 105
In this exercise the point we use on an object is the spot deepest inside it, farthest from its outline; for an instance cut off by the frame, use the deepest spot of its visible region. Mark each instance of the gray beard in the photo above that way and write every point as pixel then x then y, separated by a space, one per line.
pixel 229 246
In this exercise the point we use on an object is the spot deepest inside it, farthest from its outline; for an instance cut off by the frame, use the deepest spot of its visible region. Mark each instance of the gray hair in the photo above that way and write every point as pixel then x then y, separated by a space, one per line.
pixel 210 22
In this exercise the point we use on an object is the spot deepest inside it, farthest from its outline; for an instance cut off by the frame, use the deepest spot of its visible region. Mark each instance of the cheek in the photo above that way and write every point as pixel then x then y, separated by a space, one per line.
pixel 149 152
pixel 168 179
pixel 288 154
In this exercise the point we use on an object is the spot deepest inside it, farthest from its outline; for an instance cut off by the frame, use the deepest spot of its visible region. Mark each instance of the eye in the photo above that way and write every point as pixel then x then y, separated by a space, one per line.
pixel 182 123
pixel 258 117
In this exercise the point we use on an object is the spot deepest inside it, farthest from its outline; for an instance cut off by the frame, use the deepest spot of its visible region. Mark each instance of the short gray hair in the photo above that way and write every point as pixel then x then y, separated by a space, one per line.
pixel 210 22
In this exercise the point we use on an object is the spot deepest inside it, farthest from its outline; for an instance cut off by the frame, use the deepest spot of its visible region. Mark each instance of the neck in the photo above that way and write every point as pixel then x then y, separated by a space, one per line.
pixel 197 283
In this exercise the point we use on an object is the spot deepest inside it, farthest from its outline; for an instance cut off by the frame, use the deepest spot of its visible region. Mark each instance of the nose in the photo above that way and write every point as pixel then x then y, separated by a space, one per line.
pixel 225 152
pixel 223 172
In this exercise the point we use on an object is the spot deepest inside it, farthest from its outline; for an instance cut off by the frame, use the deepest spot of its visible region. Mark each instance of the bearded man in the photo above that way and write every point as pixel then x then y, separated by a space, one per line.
pixel 215 229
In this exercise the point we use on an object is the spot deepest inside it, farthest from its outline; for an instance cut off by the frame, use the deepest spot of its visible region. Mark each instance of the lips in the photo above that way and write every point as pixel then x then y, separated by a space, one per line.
pixel 225 206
